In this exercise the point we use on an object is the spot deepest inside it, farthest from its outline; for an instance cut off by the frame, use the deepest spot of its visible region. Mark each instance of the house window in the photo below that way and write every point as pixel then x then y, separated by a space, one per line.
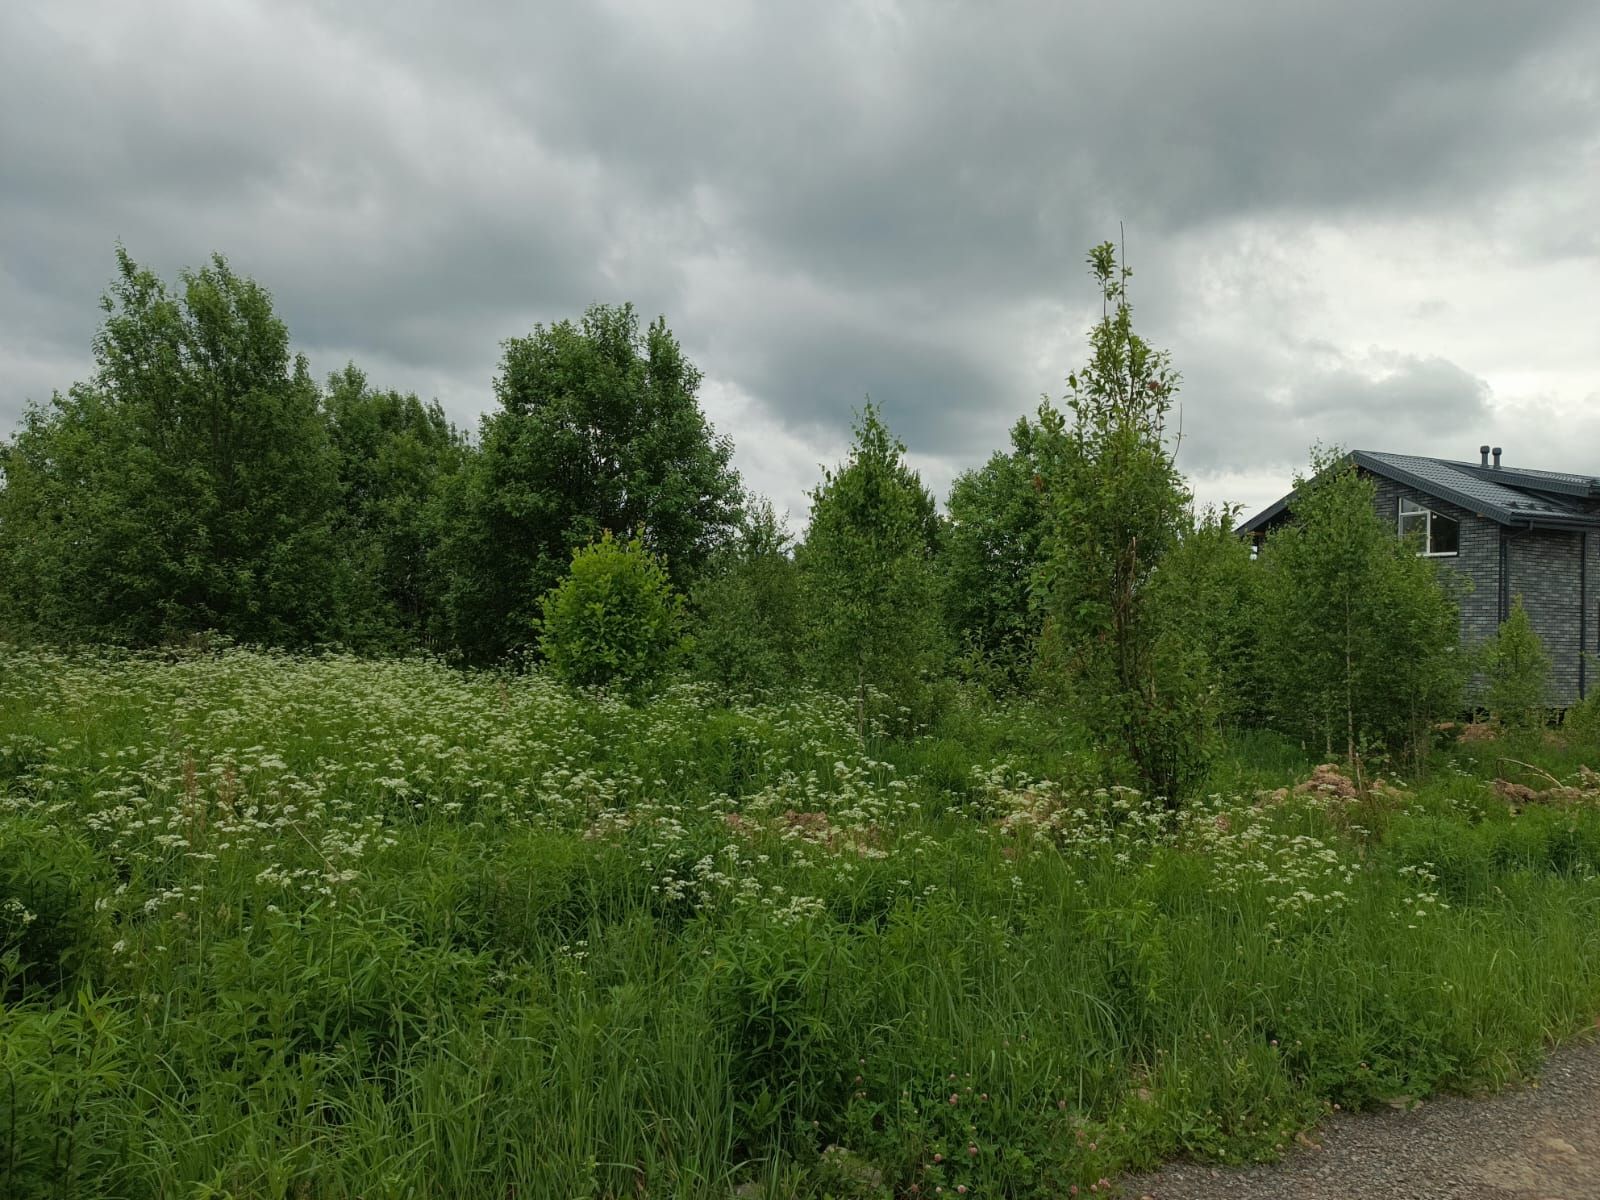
pixel 1434 532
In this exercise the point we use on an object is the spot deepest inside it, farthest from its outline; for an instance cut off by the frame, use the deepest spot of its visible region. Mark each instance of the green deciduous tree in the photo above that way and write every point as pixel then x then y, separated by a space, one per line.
pixel 1360 638
pixel 867 566
pixel 59 519
pixel 188 485
pixel 1210 598
pixel 615 620
pixel 748 616
pixel 990 553
pixel 395 454
pixel 599 428
pixel 1118 507
pixel 1517 674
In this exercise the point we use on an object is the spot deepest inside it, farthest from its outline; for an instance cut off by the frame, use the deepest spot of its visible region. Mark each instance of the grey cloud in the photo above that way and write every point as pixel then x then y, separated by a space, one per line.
pixel 933 393
pixel 1401 403
pixel 1427 406
pixel 825 202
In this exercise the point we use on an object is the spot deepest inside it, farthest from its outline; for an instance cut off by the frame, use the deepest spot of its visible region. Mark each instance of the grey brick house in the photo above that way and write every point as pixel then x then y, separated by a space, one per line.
pixel 1511 532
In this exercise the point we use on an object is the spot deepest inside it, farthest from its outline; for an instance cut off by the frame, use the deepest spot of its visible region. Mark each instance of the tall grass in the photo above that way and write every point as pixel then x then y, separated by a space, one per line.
pixel 295 927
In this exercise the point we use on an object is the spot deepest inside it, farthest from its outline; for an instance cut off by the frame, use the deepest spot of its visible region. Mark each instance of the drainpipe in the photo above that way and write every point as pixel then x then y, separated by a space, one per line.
pixel 1505 583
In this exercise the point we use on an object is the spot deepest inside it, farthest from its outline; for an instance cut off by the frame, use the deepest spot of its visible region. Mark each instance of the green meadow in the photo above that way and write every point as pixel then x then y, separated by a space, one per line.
pixel 295 926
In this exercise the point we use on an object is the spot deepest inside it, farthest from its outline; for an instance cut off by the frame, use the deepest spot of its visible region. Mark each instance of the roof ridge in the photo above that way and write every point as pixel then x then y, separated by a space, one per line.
pixel 1571 483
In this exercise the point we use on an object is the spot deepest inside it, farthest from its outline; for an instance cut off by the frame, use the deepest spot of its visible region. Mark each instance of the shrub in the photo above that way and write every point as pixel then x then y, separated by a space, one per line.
pixel 615 619
pixel 1583 718
pixel 1518 671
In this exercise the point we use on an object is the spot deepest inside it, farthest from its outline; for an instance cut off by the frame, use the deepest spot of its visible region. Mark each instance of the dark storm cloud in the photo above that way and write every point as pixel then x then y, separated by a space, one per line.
pixel 382 222
pixel 937 392
pixel 873 141
pixel 826 201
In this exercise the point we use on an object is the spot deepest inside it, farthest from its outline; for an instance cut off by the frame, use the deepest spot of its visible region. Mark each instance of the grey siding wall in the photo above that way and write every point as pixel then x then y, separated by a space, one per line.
pixel 1542 567
pixel 1477 566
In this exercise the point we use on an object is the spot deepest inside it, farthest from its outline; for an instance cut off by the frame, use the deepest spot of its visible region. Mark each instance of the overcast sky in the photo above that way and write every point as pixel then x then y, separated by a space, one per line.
pixel 1372 224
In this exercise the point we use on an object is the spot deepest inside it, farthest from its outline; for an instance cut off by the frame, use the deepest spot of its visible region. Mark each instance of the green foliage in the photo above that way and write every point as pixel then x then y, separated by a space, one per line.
pixel 1360 639
pixel 785 1015
pixel 1468 859
pixel 615 620
pixel 65 1123
pixel 1582 720
pixel 991 547
pixel 599 428
pixel 867 566
pixel 307 925
pixel 1209 590
pixel 388 928
pixel 1118 508
pixel 49 935
pixel 1517 672
pixel 748 618
pixel 394 456
pixel 189 485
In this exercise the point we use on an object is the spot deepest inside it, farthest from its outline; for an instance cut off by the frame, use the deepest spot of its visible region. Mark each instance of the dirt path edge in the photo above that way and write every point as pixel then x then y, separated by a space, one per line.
pixel 1538 1141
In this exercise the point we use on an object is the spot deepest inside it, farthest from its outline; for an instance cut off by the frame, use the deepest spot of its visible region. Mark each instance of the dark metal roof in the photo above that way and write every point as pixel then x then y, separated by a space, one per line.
pixel 1562 483
pixel 1511 496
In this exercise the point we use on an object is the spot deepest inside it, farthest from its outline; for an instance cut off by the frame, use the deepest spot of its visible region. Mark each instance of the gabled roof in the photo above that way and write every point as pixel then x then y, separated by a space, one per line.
pixel 1509 495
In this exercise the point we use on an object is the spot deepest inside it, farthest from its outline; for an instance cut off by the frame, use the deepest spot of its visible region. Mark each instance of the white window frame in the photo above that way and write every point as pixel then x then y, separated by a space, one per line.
pixel 1422 510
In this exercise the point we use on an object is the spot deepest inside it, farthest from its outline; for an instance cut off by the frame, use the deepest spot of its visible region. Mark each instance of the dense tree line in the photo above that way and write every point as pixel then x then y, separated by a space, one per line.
pixel 201 480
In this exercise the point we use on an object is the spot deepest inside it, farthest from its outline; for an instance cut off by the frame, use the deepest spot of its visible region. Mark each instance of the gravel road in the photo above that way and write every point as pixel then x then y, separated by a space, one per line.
pixel 1540 1142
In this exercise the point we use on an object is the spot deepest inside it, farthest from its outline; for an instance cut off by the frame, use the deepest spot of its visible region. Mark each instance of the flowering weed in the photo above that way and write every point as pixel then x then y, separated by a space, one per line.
pixel 319 926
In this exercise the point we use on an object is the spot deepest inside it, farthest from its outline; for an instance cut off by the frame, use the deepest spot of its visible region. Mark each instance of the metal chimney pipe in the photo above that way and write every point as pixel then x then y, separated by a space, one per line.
pixel 1497 456
pixel 1483 455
